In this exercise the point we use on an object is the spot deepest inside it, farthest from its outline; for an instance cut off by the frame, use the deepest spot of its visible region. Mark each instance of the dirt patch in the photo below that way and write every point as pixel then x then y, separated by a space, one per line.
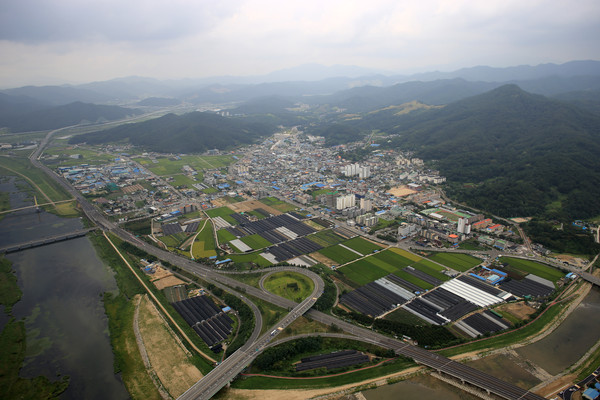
pixel 322 259
pixel 167 282
pixel 166 354
pixel 220 202
pixel 520 310
pixel 521 220
pixel 251 205
pixel 401 191
pixel 303 394
pixel 556 386
pixel 581 263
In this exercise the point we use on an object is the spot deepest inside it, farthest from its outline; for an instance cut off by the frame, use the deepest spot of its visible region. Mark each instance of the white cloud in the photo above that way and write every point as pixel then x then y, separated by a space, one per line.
pixel 77 40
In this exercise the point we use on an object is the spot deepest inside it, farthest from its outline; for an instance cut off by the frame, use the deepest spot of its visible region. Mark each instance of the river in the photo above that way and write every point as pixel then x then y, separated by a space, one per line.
pixel 62 284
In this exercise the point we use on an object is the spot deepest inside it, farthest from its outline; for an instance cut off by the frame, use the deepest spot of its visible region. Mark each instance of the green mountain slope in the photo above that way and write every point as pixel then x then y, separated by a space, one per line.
pixel 513 153
pixel 189 133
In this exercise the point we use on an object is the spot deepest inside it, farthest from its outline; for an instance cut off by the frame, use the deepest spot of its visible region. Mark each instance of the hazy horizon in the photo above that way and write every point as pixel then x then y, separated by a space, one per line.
pixel 66 41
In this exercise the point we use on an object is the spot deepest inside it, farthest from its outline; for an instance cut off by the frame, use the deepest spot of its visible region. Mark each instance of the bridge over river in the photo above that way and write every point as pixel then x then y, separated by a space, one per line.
pixel 44 241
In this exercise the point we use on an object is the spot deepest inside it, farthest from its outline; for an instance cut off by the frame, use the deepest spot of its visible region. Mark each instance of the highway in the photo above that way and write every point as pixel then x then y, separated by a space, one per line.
pixel 221 375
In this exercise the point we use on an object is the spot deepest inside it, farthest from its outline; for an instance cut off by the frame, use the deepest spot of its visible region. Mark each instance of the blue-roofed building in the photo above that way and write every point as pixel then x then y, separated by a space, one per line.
pixel 223 261
pixel 591 394
pixel 276 188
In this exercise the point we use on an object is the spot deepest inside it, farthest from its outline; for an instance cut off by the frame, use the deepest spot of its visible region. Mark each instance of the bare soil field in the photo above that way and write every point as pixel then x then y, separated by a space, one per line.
pixel 167 282
pixel 401 191
pixel 519 310
pixel 250 205
pixel 166 354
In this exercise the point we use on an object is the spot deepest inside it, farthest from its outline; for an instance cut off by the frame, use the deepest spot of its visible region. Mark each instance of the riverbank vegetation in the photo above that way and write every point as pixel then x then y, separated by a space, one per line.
pixel 13 345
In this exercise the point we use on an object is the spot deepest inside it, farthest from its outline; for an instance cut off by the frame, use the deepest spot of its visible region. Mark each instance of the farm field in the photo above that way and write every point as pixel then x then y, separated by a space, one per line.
pixel 456 261
pixel 183 180
pixel 225 236
pixel 361 245
pixel 170 166
pixel 379 265
pixel 204 245
pixel 326 238
pixel 256 241
pixel 254 257
pixel 532 267
pixel 339 254
pixel 223 212
pixel 277 204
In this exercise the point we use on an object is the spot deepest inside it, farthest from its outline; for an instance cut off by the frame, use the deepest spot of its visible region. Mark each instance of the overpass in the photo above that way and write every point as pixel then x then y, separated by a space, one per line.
pixel 44 241
pixel 224 373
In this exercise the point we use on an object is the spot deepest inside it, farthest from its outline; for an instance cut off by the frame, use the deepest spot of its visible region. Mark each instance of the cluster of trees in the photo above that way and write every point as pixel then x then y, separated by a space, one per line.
pixel 244 312
pixel 569 239
pixel 431 336
pixel 327 299
pixel 274 357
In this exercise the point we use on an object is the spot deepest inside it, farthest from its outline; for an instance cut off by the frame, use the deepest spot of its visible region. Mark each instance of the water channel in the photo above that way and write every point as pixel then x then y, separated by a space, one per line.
pixel 62 285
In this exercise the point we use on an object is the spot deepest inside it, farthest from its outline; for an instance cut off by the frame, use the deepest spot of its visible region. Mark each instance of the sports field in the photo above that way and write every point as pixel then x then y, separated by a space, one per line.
pixel 532 267
pixel 456 261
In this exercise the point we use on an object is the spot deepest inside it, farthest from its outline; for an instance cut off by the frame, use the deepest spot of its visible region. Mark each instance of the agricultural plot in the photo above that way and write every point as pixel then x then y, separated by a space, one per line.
pixel 225 236
pixel 205 318
pixel 339 254
pixel 256 241
pixel 535 268
pixel 339 359
pixel 456 261
pixel 377 297
pixel 204 245
pixel 223 212
pixel 171 166
pixel 293 248
pixel 253 257
pixel 528 286
pixel 361 245
pixel 277 204
pixel 482 323
pixel 377 266
pixel 326 238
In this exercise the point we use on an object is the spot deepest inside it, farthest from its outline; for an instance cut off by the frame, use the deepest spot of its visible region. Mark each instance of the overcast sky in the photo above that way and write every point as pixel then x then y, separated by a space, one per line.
pixel 76 41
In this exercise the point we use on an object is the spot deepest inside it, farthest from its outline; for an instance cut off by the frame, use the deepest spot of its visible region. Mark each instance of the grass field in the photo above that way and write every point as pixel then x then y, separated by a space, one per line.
pixel 256 241
pixel 532 267
pixel 456 261
pixel 204 245
pixel 339 254
pixel 183 180
pixel 291 285
pixel 223 212
pixel 277 204
pixel 361 245
pixel 36 176
pixel 89 156
pixel 387 262
pixel 401 315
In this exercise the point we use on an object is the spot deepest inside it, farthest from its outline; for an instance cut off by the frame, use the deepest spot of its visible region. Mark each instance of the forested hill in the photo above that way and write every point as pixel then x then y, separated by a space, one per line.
pixel 20 115
pixel 194 132
pixel 512 153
